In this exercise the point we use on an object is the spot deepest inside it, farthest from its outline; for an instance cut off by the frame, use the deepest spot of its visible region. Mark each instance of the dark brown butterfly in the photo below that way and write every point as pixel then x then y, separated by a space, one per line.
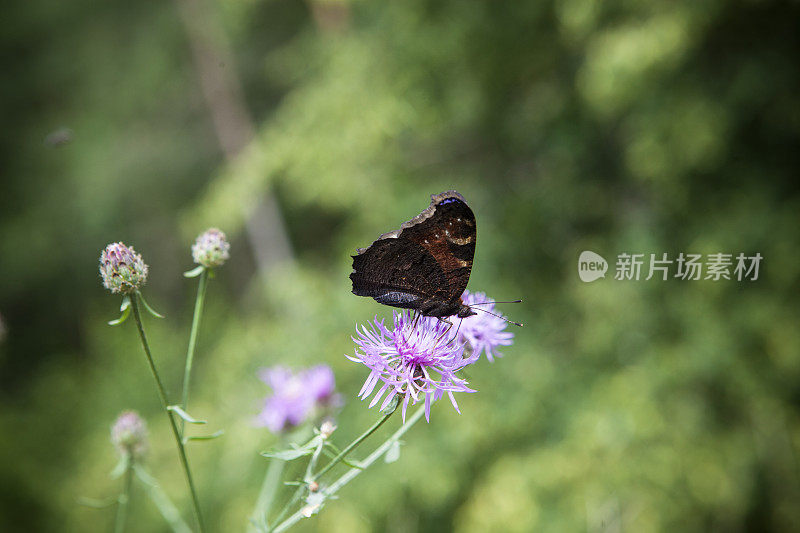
pixel 424 265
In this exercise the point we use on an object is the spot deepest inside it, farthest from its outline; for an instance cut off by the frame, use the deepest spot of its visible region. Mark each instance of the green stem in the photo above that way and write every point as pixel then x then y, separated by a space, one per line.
pixel 198 312
pixel 165 403
pixel 336 460
pixel 124 497
pixel 312 463
pixel 353 472
pixel 267 494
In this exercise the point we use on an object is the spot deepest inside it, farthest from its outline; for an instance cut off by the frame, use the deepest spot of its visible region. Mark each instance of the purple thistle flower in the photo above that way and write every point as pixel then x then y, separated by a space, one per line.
pixel 483 332
pixel 295 396
pixel 412 360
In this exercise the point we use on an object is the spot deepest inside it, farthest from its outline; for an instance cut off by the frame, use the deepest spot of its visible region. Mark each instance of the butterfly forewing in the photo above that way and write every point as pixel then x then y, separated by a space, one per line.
pixel 424 265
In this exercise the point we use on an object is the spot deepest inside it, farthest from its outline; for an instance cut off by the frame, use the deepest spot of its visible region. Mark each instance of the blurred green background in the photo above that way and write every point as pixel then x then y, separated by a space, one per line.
pixel 304 130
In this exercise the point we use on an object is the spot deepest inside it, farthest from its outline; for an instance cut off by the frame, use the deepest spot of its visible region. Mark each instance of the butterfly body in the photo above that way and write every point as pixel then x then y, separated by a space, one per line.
pixel 424 265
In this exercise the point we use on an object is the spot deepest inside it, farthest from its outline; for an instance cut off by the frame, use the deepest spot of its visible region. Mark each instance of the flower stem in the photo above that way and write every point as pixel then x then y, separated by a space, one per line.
pixel 353 472
pixel 124 497
pixel 267 494
pixel 336 460
pixel 198 312
pixel 165 403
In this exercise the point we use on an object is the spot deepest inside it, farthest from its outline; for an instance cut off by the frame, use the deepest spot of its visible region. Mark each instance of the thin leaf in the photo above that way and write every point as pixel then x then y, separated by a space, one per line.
pixel 147 306
pixel 162 501
pixel 193 273
pixel 186 416
pixel 288 455
pixel 352 464
pixel 126 312
pixel 97 504
pixel 332 446
pixel 145 476
pixel 122 465
pixel 214 435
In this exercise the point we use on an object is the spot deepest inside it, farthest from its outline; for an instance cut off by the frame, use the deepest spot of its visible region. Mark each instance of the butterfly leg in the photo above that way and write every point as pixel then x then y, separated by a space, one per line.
pixel 445 332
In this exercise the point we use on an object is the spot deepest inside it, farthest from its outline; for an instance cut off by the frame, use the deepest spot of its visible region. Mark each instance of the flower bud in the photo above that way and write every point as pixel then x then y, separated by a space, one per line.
pixel 211 249
pixel 129 434
pixel 122 269
pixel 327 428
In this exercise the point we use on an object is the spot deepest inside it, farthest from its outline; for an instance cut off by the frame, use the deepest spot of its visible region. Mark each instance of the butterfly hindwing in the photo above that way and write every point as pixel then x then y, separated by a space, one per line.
pixel 398 266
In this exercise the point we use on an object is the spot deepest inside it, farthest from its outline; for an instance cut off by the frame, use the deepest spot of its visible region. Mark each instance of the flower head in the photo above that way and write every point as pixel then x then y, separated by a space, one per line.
pixel 129 435
pixel 483 332
pixel 296 397
pixel 415 359
pixel 211 249
pixel 122 269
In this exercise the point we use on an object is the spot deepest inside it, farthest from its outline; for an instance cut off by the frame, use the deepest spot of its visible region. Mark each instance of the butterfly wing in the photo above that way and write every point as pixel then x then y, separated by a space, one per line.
pixel 396 272
pixel 426 263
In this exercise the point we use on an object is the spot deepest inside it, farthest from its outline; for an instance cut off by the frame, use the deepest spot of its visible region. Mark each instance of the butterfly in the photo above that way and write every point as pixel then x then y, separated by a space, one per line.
pixel 424 265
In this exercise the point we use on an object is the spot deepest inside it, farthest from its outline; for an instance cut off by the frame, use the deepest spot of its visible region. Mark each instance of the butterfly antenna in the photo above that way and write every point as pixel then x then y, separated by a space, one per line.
pixel 492 302
pixel 500 316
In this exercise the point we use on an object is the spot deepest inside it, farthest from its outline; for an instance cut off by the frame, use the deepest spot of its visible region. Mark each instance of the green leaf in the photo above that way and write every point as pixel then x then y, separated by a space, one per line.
pixel 122 465
pixel 332 446
pixel 184 415
pixel 351 464
pixel 126 312
pixel 193 273
pixel 145 476
pixel 288 455
pixel 162 501
pixel 97 504
pixel 214 435
pixel 147 306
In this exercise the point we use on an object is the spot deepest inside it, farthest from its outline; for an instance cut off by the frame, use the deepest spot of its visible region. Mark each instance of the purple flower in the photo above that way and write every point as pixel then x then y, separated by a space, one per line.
pixel 295 396
pixel 211 249
pixel 483 332
pixel 414 359
pixel 122 269
pixel 129 435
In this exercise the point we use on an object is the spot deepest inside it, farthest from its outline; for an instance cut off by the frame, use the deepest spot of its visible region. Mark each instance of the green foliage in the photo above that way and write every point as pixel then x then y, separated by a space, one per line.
pixel 568 125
